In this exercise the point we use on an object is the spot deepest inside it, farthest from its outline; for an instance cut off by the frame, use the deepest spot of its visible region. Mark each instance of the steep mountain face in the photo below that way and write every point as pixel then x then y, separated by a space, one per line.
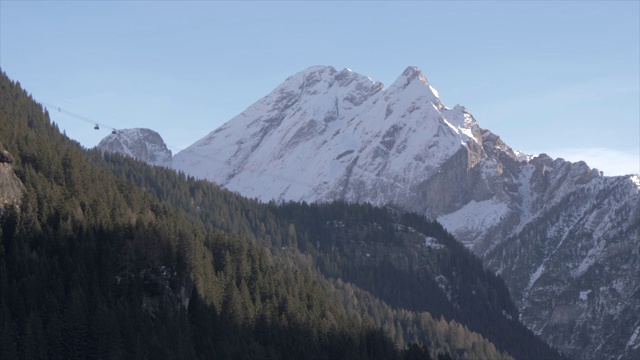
pixel 575 266
pixel 566 240
pixel 564 237
pixel 143 144
pixel 325 134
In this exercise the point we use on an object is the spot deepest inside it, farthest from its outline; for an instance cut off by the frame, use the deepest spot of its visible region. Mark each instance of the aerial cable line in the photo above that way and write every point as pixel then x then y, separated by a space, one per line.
pixel 79 117
pixel 98 125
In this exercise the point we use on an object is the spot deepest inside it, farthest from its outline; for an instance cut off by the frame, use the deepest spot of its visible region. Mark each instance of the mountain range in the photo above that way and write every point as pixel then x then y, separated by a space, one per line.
pixel 103 256
pixel 564 237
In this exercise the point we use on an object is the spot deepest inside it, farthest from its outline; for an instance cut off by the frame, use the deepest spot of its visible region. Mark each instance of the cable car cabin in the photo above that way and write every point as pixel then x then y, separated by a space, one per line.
pixel 113 132
pixel 97 127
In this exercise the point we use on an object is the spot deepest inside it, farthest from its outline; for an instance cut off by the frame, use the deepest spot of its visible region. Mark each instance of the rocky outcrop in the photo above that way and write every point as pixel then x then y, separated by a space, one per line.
pixel 142 144
pixel 11 188
pixel 5 157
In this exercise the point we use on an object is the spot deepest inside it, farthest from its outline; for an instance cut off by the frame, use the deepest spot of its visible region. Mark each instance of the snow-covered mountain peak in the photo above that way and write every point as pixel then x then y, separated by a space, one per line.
pixel 347 77
pixel 412 72
pixel 311 71
pixel 412 84
pixel 358 126
pixel 142 144
pixel 344 89
pixel 314 79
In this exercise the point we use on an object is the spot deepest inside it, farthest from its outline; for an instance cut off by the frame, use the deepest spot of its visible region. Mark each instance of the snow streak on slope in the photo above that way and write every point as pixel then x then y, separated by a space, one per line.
pixel 475 216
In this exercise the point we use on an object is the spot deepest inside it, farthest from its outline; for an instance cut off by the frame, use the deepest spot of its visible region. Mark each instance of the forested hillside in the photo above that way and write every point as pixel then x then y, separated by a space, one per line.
pixel 106 257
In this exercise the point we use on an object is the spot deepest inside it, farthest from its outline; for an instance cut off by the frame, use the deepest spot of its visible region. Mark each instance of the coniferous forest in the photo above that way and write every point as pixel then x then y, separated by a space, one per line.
pixel 105 257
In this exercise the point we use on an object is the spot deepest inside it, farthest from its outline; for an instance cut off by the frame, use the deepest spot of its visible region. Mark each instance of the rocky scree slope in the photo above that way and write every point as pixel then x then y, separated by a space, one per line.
pixel 565 238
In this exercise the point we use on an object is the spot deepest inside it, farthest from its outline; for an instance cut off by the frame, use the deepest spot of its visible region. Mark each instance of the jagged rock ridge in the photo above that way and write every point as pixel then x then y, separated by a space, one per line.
pixel 143 144
pixel 564 237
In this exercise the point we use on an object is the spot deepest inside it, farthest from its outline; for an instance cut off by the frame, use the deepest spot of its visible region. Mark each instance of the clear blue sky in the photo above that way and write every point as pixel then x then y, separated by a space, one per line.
pixel 556 77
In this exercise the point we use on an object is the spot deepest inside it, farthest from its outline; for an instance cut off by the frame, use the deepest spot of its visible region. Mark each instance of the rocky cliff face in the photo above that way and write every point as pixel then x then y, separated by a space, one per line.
pixel 565 238
pixel 142 144
pixel 11 188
